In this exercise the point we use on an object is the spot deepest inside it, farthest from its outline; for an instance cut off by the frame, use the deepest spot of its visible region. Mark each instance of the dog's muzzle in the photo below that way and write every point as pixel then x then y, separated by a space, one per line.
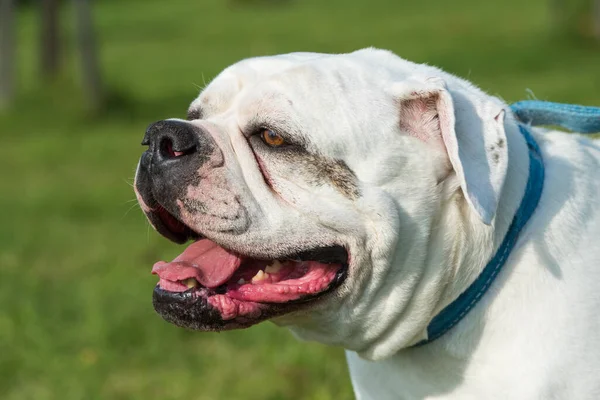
pixel 176 152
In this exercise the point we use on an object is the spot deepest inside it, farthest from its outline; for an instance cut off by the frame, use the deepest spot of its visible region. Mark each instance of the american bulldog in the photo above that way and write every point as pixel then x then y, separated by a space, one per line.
pixel 351 198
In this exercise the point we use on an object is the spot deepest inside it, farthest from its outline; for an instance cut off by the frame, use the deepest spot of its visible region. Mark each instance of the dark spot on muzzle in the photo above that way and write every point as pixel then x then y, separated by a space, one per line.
pixel 176 152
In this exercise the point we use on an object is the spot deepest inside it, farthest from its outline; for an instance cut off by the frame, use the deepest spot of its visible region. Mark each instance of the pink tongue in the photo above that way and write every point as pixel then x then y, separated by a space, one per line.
pixel 207 262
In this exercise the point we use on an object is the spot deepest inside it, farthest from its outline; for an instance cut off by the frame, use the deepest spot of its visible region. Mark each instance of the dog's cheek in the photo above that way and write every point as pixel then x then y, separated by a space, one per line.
pixel 292 171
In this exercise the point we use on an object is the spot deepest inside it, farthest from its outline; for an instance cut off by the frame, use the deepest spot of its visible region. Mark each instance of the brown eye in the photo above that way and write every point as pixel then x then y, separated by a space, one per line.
pixel 271 138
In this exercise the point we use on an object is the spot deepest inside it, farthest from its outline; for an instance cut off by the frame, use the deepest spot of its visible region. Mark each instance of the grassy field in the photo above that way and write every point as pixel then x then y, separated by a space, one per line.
pixel 76 320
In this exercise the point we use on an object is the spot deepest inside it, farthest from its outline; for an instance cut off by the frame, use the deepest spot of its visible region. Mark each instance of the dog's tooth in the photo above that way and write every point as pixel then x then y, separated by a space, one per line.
pixel 190 283
pixel 260 276
pixel 274 268
pixel 241 281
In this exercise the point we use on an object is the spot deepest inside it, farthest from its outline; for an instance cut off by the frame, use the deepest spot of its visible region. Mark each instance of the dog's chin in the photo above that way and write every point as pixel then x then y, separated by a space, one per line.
pixel 209 287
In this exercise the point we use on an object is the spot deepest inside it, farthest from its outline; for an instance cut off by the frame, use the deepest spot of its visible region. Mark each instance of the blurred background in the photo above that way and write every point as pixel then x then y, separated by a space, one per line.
pixel 79 83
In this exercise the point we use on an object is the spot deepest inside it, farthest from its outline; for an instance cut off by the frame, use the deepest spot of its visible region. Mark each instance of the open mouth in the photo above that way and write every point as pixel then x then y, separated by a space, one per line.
pixel 209 287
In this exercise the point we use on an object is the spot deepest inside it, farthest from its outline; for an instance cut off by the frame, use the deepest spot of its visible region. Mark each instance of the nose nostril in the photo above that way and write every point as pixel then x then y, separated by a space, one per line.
pixel 167 151
pixel 166 148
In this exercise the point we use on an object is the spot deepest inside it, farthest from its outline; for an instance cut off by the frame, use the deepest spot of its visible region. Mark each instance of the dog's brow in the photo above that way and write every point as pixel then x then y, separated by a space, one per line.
pixel 194 113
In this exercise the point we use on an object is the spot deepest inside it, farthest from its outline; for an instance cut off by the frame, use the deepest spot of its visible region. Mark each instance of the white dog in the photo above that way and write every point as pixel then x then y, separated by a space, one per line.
pixel 352 198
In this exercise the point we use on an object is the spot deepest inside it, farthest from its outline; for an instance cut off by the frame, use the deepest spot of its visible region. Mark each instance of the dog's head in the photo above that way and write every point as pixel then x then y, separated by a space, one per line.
pixel 317 191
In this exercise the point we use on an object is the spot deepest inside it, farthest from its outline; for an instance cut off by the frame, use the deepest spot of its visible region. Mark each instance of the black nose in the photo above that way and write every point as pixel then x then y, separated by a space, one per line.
pixel 170 141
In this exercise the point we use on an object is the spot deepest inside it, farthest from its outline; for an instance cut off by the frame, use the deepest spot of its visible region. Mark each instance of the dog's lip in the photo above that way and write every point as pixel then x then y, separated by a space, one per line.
pixel 172 228
pixel 195 308
pixel 231 285
pixel 165 223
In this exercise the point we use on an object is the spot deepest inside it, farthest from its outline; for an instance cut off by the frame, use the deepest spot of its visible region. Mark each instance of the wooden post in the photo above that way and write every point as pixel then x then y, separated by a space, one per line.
pixel 7 52
pixel 49 38
pixel 88 53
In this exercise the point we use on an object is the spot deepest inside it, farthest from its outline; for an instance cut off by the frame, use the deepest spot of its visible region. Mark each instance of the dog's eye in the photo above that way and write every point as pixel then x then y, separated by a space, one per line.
pixel 271 138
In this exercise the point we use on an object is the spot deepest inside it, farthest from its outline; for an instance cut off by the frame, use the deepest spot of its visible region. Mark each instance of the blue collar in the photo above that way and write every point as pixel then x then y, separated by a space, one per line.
pixel 531 112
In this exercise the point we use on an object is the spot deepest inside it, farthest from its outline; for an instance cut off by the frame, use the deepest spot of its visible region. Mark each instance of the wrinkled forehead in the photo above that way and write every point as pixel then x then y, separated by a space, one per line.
pixel 302 77
pixel 257 74
pixel 309 94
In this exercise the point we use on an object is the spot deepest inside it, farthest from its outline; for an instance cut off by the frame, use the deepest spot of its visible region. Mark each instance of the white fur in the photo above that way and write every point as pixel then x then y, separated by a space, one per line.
pixel 427 221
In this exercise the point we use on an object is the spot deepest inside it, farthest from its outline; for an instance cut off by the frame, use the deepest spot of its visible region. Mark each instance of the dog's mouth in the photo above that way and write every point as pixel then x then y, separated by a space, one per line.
pixel 210 287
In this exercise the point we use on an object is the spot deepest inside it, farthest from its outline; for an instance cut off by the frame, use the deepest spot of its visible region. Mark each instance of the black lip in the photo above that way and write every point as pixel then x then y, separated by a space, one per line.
pixel 186 310
pixel 159 213
pixel 161 227
pixel 184 232
pixel 190 309
pixel 326 254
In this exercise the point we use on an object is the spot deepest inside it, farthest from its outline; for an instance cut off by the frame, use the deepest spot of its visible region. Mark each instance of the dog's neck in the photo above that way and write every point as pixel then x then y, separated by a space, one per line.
pixel 418 294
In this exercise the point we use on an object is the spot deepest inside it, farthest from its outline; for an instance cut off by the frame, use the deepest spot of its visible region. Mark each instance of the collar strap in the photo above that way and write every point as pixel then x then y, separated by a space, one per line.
pixel 577 118
pixel 455 311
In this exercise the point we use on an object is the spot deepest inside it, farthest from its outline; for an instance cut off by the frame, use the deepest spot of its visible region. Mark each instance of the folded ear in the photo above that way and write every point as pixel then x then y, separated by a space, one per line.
pixel 468 126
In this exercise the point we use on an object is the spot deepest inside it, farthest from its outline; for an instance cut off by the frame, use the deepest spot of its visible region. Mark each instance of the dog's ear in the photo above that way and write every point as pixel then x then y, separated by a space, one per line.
pixel 468 127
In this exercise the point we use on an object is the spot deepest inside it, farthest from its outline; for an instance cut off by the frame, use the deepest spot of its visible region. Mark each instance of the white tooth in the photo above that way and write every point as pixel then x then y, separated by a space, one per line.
pixel 241 281
pixel 273 268
pixel 260 276
pixel 190 283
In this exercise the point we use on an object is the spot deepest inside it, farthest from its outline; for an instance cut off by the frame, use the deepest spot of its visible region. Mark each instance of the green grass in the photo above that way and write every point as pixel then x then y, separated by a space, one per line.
pixel 76 320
